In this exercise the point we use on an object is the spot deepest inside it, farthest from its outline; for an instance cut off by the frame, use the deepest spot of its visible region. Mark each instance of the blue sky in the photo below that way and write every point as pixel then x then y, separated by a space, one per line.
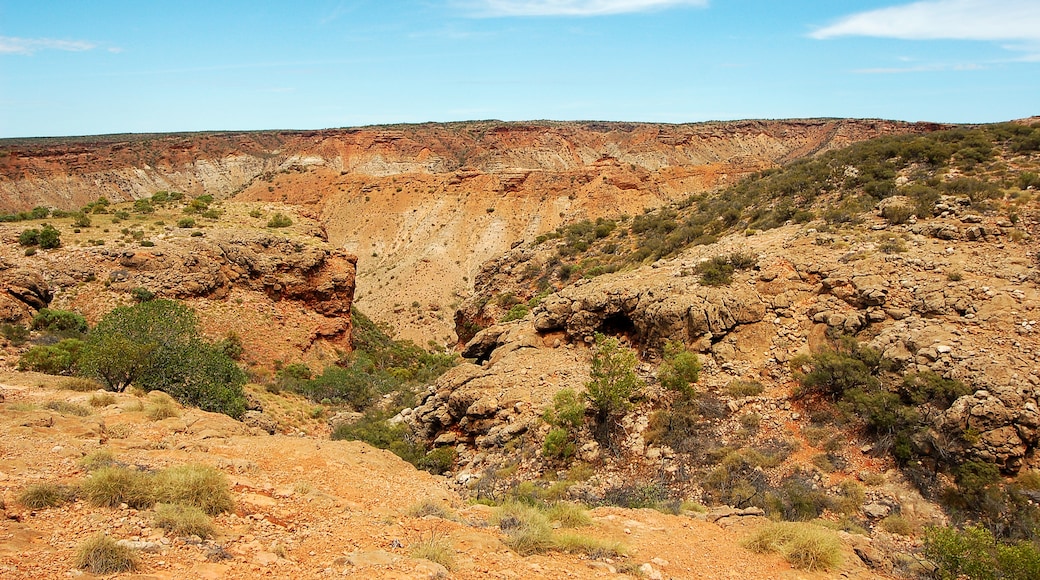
pixel 107 66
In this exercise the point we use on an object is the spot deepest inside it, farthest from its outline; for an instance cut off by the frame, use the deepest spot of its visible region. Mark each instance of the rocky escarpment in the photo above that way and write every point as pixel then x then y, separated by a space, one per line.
pixel 280 294
pixel 426 205
pixel 964 308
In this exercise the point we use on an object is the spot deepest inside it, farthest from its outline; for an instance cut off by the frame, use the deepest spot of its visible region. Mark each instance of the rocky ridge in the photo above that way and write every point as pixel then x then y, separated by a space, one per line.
pixel 963 306
pixel 425 206
pixel 240 279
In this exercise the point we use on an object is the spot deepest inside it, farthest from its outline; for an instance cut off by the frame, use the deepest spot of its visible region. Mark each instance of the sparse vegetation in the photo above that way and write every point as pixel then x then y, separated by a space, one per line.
pixel 182 520
pixel 435 548
pixel 805 546
pixel 156 346
pixel 612 384
pixel 46 495
pixel 102 555
pixel 279 220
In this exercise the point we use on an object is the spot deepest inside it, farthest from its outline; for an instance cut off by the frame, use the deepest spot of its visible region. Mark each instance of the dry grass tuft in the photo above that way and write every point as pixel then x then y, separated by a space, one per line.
pixel 160 406
pixel 110 486
pixel 569 515
pixel 67 408
pixel 102 555
pixel 182 520
pixel 435 549
pixel 805 546
pixel 102 399
pixel 81 385
pixel 431 507
pixel 98 459
pixel 201 486
pixel 592 547
pixel 45 495
pixel 527 530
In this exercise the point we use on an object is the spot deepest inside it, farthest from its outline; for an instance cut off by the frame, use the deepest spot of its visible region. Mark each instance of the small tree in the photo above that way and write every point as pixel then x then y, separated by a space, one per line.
pixel 156 345
pixel 613 382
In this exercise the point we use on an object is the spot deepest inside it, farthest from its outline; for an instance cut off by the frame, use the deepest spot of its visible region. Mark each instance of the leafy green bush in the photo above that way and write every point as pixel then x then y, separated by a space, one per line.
pixel 680 369
pixel 186 222
pixel 833 372
pixel 59 359
pixel 974 553
pixel 156 346
pixel 715 272
pixel 140 294
pixel 29 237
pixel 340 385
pixel 59 321
pixel 279 220
pixel 16 334
pixel 50 237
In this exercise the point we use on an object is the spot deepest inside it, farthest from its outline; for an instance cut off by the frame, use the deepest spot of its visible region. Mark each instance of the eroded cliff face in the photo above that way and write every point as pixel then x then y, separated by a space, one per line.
pixel 285 296
pixel 424 206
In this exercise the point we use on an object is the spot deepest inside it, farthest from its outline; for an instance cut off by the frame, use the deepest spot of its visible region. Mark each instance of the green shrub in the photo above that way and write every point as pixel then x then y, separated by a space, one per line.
pixel 558 444
pixel 182 520
pixel 680 369
pixel 715 272
pixel 140 294
pixel 566 412
pixel 805 546
pixel 374 429
pixel 59 359
pixel 156 346
pixel 45 495
pixel 833 372
pixel 186 222
pixel 29 237
pixel 279 220
pixel 16 334
pixel 340 385
pixel 103 556
pixel 739 388
pixel 438 461
pixel 516 312
pixel 49 237
pixel 59 321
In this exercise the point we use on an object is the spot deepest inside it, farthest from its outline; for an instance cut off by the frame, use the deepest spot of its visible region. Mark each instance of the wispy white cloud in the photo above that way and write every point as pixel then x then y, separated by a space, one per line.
pixel 993 20
pixel 921 68
pixel 28 46
pixel 497 8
